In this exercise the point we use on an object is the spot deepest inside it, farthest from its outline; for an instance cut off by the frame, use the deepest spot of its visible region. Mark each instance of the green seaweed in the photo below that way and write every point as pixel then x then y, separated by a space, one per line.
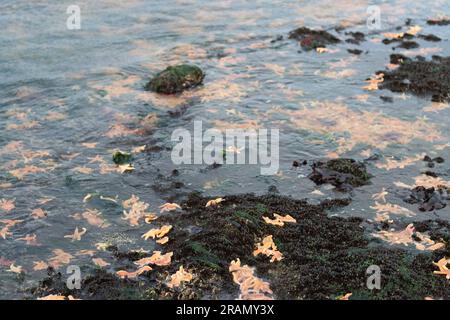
pixel 120 157
pixel 175 79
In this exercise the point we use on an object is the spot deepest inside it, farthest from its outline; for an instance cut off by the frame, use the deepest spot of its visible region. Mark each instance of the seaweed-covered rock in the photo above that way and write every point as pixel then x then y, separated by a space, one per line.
pixel 429 37
pixel 312 39
pixel 175 79
pixel 354 51
pixel 100 285
pixel 408 45
pixel 397 58
pixel 341 173
pixel 204 240
pixel 439 22
pixel 421 77
pixel 356 37
pixel 120 157
pixel 429 199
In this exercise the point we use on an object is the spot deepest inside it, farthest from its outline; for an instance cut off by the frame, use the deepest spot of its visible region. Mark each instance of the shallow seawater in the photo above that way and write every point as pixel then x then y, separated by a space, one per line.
pixel 69 98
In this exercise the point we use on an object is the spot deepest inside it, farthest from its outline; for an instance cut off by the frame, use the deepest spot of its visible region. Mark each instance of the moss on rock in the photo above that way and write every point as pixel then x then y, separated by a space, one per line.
pixel 175 79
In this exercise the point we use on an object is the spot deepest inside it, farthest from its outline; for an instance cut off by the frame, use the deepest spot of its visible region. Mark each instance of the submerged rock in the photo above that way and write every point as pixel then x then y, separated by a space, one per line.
pixel 408 45
pixel 354 51
pixel 356 37
pixel 341 173
pixel 312 39
pixel 120 157
pixel 429 199
pixel 421 77
pixel 429 37
pixel 439 22
pixel 175 79
pixel 398 58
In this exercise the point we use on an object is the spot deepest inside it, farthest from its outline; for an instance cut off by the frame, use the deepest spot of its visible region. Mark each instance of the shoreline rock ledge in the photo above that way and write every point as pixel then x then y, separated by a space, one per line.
pixel 176 79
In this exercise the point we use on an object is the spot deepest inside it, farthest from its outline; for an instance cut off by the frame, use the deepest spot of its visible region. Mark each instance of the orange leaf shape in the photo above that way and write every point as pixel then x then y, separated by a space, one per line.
pixel 268 248
pixel 169 207
pixel 157 233
pixel 131 275
pixel 251 287
pixel 163 240
pixel 7 205
pixel 279 220
pixel 442 265
pixel 178 277
pixel 100 262
pixel 157 259
pixel 61 257
pixel 214 202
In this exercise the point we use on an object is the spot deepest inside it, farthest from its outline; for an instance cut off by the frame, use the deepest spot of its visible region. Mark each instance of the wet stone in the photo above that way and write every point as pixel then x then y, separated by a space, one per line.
pixel 408 45
pixel 354 51
pixel 422 78
pixel 429 199
pixel 356 37
pixel 430 37
pixel 398 58
pixel 440 22
pixel 344 174
pixel 312 39
pixel 120 157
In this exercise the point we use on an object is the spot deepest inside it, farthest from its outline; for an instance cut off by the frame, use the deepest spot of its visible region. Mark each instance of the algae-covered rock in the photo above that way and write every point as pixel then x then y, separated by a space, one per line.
pixel 312 39
pixel 120 157
pixel 205 240
pixel 175 79
pixel 421 77
pixel 429 199
pixel 341 173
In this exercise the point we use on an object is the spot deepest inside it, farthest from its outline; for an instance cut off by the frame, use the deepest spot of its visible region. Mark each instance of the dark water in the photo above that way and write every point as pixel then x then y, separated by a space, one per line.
pixel 68 98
